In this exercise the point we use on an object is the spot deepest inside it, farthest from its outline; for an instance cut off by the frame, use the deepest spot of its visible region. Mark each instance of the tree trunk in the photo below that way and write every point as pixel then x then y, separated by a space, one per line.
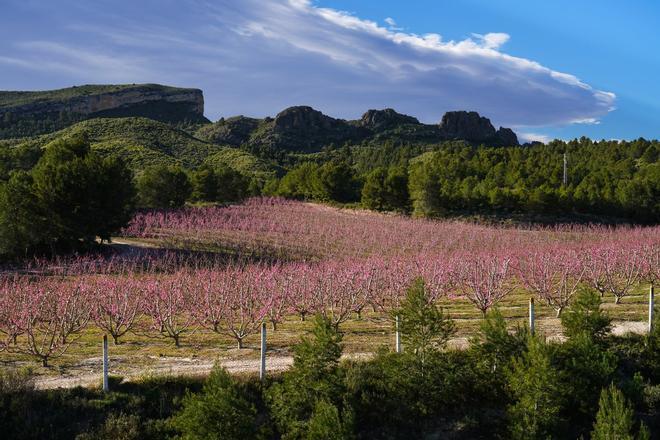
pixel 115 339
pixel 559 312
pixel 302 316
pixel 176 341
pixel 617 299
pixel 240 343
pixel 44 361
pixel 274 325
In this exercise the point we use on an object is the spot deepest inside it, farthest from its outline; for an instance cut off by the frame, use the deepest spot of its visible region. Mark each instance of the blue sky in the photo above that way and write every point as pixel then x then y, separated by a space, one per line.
pixel 546 68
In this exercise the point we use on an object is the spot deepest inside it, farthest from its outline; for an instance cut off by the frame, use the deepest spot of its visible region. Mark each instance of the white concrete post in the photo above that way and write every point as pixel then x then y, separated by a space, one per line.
pixel 532 317
pixel 105 364
pixel 651 308
pixel 397 337
pixel 262 369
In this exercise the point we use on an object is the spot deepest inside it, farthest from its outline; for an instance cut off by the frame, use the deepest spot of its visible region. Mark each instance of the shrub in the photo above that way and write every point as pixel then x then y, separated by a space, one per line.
pixel 325 423
pixel 615 420
pixel 585 316
pixel 162 186
pixel 536 387
pixel 494 344
pixel 424 327
pixel 117 427
pixel 220 411
pixel 315 376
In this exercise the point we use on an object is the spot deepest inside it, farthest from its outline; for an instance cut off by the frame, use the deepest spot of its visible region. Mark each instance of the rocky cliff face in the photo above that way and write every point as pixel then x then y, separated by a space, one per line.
pixel 377 120
pixel 472 127
pixel 305 129
pixel 52 110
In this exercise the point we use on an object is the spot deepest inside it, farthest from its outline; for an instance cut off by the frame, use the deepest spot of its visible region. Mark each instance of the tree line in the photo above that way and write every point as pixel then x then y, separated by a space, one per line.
pixel 65 195
pixel 607 179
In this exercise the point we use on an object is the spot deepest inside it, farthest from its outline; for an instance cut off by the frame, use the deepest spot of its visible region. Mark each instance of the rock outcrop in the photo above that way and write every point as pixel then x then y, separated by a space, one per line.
pixel 304 129
pixel 472 127
pixel 378 120
pixel 506 137
pixel 469 126
pixel 232 131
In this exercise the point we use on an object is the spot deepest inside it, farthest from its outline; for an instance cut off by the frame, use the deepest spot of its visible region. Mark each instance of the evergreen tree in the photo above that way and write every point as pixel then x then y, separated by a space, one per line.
pixel 314 377
pixel 424 327
pixel 220 411
pixel 615 418
pixel 585 317
pixel 536 388
pixel 162 186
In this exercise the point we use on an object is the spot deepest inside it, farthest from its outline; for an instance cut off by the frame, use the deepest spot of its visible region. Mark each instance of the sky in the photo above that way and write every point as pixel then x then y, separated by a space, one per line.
pixel 547 69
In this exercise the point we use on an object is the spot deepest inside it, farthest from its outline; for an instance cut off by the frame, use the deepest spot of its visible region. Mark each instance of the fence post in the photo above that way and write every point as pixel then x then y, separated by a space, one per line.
pixel 105 364
pixel 532 317
pixel 397 337
pixel 651 308
pixel 262 368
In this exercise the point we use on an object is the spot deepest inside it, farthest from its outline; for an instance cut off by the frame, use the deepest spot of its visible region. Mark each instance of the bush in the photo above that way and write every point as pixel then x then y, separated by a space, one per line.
pixel 495 345
pixel 615 420
pixel 424 327
pixel 314 377
pixel 536 387
pixel 585 316
pixel 325 423
pixel 162 186
pixel 220 411
pixel 117 427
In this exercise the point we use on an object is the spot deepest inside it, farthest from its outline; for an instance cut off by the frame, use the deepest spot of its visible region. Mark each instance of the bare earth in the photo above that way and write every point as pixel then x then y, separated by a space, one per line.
pixel 88 372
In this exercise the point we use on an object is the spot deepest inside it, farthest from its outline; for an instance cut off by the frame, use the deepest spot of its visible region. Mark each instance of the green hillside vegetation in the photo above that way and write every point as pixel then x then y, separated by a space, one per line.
pixel 10 99
pixel 140 142
pixel 243 162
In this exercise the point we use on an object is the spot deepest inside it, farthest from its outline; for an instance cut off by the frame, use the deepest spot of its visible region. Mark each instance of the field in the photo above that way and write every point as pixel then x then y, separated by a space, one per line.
pixel 183 289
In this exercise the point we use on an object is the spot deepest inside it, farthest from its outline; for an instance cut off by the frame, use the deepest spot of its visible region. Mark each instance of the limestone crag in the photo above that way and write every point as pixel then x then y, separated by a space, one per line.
pixel 376 120
pixel 55 109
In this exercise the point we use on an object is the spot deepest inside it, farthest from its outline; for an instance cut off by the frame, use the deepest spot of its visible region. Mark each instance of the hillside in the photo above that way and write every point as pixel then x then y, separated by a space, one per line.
pixel 306 130
pixel 31 113
pixel 139 141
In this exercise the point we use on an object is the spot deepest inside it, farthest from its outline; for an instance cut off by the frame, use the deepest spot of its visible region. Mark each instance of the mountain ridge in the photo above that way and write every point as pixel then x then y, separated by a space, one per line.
pixel 298 128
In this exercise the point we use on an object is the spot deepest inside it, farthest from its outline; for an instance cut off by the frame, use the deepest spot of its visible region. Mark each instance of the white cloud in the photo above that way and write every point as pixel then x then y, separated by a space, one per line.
pixel 533 137
pixel 256 57
pixel 493 40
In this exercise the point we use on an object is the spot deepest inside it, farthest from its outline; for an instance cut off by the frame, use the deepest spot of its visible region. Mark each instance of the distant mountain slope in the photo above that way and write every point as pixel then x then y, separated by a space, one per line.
pixel 142 142
pixel 303 129
pixel 30 113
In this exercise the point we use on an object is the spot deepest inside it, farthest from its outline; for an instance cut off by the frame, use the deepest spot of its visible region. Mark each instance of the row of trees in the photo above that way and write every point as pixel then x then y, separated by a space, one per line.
pixel 607 178
pixel 40 317
pixel 162 186
pixel 537 389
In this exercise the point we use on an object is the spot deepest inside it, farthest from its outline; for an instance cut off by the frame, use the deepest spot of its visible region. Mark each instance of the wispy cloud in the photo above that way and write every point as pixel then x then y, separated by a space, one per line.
pixel 533 137
pixel 258 56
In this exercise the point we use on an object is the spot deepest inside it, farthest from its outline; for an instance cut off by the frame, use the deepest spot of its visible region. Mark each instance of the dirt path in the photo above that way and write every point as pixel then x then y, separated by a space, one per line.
pixel 87 373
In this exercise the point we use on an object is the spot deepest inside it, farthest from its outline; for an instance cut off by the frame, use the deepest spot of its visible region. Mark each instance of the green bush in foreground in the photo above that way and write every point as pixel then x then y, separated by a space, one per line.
pixel 220 411
pixel 585 317
pixel 615 418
